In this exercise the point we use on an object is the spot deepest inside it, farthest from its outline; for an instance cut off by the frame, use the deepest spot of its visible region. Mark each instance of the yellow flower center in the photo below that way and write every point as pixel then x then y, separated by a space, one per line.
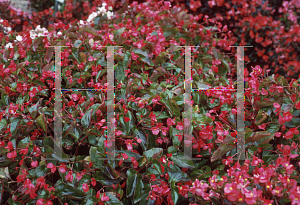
pixel 212 181
pixel 241 199
pixel 230 188
pixel 268 187
pixel 277 191
pixel 251 194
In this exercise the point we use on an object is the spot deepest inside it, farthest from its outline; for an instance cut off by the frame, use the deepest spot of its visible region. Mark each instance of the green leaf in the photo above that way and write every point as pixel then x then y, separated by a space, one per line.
pixel 120 72
pixel 3 123
pixel 97 163
pixel 5 98
pixel 203 173
pixel 69 191
pixel 127 125
pixel 105 180
pixel 257 136
pixel 49 142
pixel 157 73
pixel 33 110
pixel 172 150
pixel 86 119
pixel 182 160
pixel 126 60
pixel 13 125
pixel 153 153
pixel 113 200
pixel 178 177
pixel 202 118
pixel 141 135
pixel 131 182
pixel 41 120
pixel 172 106
pixel 88 29
pixel 225 147
pixel 119 32
pixel 143 56
pixel 170 31
pixel 77 43
pixel 138 189
pixel 174 193
pixel 40 170
pixel 4 174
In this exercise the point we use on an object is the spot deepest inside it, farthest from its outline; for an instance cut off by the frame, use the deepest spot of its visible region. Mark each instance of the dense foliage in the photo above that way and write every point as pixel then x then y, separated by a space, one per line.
pixel 149 105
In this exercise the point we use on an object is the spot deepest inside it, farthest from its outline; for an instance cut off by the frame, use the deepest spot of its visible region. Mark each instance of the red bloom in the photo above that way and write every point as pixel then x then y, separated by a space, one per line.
pixel 12 154
pixel 85 187
pixel 62 168
pixel 104 197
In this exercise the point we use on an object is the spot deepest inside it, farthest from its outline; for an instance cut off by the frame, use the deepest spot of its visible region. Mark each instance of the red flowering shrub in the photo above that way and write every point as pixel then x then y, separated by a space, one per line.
pixel 151 167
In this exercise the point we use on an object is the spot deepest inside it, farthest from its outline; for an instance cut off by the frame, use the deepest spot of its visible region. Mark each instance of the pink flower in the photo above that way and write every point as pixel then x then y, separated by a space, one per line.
pixel 104 197
pixel 12 154
pixel 170 122
pixel 35 164
pixel 251 196
pixel 179 126
pixel 134 56
pixel 276 105
pixel 62 168
pixel 85 187
pixel 69 176
pixel 155 130
pixel 75 97
pixel 128 143
pixel 52 167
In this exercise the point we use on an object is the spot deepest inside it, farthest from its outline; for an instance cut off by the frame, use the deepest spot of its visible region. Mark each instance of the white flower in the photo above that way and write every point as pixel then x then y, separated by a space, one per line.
pixel 59 33
pixel 40 34
pixel 102 10
pixel 1 20
pixel 110 14
pixel 19 38
pixel 81 22
pixel 92 16
pixel 104 4
pixel 9 45
pixel 110 8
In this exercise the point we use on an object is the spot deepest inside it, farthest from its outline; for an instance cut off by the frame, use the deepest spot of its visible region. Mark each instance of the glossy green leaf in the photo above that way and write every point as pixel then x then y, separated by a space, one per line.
pixel 86 119
pixel 174 193
pixel 178 177
pixel 131 182
pixel 113 200
pixel 203 173
pixel 13 125
pixel 225 147
pixel 69 191
pixel 41 120
pixel 138 189
pixel 140 134
pixel 120 72
pixel 182 160
pixel 5 99
pixel 153 153
pixel 3 123
pixel 95 158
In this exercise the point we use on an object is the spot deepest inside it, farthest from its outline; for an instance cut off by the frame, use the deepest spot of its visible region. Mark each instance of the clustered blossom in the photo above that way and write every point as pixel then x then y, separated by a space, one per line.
pixel 101 10
pixel 38 32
